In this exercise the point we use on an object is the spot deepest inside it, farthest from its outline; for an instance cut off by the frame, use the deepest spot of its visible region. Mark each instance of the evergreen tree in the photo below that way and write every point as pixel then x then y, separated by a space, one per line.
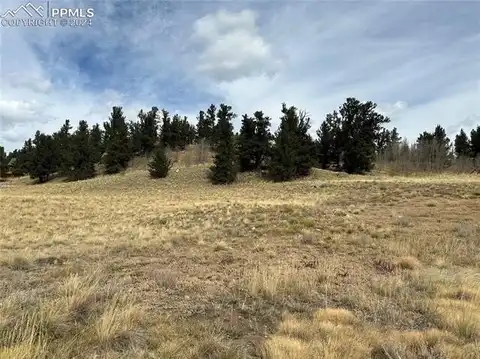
pixel 224 169
pixel 23 164
pixel 434 148
pixel 210 125
pixel 118 145
pixel 96 139
pixel 253 141
pixel 202 127
pixel 189 131
pixel 395 138
pixel 325 145
pixel 475 142
pixel 149 130
pixel 160 164
pixel 3 162
pixel 11 160
pixel 83 154
pixel 383 140
pixel 350 138
pixel 330 141
pixel 263 137
pixel 462 144
pixel 44 159
pixel 166 136
pixel 107 136
pixel 393 144
pixel 135 135
pixel 247 144
pixel 63 150
pixel 183 132
pixel 176 139
pixel 293 151
pixel 361 128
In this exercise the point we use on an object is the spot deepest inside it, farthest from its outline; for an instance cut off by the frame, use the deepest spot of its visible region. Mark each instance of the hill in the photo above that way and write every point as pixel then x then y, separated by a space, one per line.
pixel 332 266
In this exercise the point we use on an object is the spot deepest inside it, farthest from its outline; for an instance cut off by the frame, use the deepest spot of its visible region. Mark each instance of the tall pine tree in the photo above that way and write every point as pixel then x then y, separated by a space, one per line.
pixel 361 128
pixel 263 137
pixel 211 125
pixel 462 144
pixel 63 150
pixel 83 154
pixel 166 137
pixel 247 144
pixel 224 169
pixel 149 130
pixel 475 142
pixel 3 162
pixel 325 145
pixel 96 138
pixel 43 163
pixel 203 130
pixel 118 144
pixel 293 150
pixel 254 141
pixel 135 135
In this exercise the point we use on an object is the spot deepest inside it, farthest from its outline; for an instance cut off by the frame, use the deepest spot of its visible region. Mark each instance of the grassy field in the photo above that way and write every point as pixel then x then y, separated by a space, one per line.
pixel 334 266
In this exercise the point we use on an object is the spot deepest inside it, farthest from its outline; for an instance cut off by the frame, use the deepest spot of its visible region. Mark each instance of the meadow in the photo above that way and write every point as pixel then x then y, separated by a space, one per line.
pixel 332 266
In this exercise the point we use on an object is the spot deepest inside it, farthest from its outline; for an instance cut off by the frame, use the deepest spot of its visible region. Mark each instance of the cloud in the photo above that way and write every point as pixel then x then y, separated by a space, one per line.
pixel 221 35
pixel 419 61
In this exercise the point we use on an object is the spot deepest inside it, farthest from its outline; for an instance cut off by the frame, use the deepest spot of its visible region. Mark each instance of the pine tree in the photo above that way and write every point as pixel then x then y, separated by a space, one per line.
pixel 253 141
pixel 202 127
pixel 462 144
pixel 83 154
pixel 149 130
pixel 305 158
pixel 263 137
pixel 475 142
pixel 166 137
pixel 118 145
pixel 23 164
pixel 189 131
pixel 63 150
pixel 361 128
pixel 395 138
pixel 185 133
pixel 224 169
pixel 383 140
pixel 3 162
pixel 44 159
pixel 211 126
pixel 247 144
pixel 330 140
pixel 135 135
pixel 160 164
pixel 435 149
pixel 325 145
pixel 293 150
pixel 97 142
pixel 176 139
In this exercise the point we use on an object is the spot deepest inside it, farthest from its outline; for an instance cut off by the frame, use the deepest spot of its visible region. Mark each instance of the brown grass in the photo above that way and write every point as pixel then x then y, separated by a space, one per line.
pixel 333 266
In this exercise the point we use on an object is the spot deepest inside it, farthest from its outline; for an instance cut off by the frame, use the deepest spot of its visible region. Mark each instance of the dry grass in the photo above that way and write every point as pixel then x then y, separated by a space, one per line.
pixel 333 266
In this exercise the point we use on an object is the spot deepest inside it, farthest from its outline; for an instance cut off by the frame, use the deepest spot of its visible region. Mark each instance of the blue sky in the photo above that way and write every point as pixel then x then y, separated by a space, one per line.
pixel 419 61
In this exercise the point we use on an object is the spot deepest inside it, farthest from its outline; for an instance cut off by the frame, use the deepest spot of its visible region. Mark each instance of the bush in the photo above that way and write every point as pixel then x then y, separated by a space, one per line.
pixel 160 164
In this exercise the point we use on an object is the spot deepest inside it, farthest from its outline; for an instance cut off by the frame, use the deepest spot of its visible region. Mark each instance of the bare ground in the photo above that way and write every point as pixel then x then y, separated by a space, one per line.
pixel 334 266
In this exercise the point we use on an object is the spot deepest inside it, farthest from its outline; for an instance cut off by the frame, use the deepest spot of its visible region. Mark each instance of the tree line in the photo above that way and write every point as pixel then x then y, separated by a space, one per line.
pixel 351 139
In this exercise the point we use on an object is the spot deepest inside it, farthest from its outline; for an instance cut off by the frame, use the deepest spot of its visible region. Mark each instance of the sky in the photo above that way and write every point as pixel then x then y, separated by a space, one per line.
pixel 418 60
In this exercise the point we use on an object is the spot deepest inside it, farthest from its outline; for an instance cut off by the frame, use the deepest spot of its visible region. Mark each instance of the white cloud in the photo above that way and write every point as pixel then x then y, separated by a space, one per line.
pixel 419 61
pixel 232 47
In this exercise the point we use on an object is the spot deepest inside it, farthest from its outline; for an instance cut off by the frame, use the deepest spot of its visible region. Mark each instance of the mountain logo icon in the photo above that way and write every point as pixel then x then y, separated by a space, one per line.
pixel 30 9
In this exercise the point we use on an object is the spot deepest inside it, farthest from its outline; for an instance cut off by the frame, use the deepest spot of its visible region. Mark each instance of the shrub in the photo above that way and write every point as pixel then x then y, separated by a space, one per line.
pixel 160 164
